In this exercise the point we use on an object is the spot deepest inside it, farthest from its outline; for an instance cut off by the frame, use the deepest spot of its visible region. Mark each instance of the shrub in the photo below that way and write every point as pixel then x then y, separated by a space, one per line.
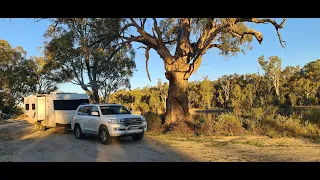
pixel 228 124
pixel 289 126
pixel 292 127
pixel 312 115
pixel 153 120
pixel 251 125
pixel 269 111
pixel 256 113
pixel 182 128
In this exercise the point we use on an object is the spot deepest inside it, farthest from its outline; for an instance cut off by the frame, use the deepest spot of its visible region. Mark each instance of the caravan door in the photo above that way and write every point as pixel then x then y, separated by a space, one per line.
pixel 41 108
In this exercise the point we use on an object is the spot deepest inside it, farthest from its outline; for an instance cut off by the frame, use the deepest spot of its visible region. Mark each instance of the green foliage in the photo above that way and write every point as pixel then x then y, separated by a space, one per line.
pixel 312 115
pixel 154 121
pixel 91 46
pixel 250 96
pixel 305 90
pixel 21 76
pixel 272 69
pixel 206 93
pixel 312 71
pixel 228 124
pixel 194 95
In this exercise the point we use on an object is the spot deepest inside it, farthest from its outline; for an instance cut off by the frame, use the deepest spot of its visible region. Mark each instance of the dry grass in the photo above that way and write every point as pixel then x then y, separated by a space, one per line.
pixel 242 148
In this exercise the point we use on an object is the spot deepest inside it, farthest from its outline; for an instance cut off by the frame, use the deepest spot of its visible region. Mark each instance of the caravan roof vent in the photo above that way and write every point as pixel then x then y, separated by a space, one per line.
pixel 60 92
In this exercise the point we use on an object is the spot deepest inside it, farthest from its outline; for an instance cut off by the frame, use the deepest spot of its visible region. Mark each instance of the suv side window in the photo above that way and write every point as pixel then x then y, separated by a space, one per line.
pixel 94 109
pixel 80 111
pixel 87 110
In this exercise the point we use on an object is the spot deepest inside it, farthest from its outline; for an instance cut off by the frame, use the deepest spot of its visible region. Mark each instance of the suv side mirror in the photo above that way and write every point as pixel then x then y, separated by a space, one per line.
pixel 130 110
pixel 94 113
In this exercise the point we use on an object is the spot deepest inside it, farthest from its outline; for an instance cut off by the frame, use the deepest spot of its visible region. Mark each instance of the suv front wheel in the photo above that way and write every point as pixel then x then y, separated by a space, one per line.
pixel 104 136
pixel 138 137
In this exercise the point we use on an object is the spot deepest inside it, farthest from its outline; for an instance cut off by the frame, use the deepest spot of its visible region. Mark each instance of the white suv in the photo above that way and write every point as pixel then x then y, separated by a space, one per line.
pixel 107 121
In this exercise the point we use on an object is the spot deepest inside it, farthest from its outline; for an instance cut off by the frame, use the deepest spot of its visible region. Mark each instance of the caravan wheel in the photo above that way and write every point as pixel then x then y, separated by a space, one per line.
pixel 39 126
pixel 42 127
pixel 36 125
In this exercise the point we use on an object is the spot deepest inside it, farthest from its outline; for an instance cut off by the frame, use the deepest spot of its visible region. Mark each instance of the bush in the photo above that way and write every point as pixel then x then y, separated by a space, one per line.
pixel 312 115
pixel 292 127
pixel 183 129
pixel 262 121
pixel 269 111
pixel 256 113
pixel 153 120
pixel 251 125
pixel 289 126
pixel 228 124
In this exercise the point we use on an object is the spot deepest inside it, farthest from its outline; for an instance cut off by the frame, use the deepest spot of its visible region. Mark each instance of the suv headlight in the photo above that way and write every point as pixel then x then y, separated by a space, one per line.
pixel 115 121
pixel 143 118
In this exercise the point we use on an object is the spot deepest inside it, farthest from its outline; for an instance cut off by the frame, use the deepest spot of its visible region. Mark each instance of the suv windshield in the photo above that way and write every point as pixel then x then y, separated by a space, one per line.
pixel 108 110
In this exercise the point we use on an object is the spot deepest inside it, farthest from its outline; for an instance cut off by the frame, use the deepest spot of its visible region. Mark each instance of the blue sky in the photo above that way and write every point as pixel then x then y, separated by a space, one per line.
pixel 301 35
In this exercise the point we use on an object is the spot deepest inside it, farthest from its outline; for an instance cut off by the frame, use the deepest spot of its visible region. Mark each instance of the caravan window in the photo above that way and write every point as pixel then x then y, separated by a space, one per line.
pixel 33 106
pixel 68 104
pixel 27 107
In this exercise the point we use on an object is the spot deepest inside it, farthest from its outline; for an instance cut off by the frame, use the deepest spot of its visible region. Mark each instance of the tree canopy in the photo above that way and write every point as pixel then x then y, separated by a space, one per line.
pixel 80 47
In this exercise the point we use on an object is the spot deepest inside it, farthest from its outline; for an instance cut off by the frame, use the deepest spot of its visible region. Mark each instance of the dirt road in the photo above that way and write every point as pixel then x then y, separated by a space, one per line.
pixel 20 142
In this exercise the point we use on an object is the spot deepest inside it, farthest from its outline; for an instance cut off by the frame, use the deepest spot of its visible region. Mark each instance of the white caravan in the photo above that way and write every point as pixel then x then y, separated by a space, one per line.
pixel 52 110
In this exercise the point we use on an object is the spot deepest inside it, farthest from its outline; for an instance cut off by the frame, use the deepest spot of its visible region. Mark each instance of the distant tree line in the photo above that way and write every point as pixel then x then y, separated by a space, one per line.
pixel 291 86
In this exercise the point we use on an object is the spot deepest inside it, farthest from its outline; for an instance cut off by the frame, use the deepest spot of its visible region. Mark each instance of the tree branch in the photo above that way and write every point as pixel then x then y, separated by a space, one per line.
pixel 223 48
pixel 155 24
pixel 258 35
pixel 112 37
pixel 74 82
pixel 264 21
pixel 147 59
pixel 146 35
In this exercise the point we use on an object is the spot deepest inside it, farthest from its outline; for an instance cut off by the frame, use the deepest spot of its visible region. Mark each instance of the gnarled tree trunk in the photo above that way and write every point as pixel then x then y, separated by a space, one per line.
pixel 177 102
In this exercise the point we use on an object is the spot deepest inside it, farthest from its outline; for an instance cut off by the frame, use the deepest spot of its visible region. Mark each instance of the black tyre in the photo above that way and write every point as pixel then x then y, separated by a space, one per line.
pixel 36 125
pixel 104 135
pixel 78 132
pixel 138 137
pixel 41 127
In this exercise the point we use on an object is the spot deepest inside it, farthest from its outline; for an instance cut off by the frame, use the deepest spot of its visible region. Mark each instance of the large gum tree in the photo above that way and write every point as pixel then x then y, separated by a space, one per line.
pixel 182 42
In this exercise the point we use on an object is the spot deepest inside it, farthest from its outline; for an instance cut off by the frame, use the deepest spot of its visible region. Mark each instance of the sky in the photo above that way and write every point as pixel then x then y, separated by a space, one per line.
pixel 301 36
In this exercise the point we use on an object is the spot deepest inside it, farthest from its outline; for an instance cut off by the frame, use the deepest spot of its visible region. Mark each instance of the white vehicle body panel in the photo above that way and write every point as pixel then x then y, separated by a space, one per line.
pixel 41 108
pixel 91 124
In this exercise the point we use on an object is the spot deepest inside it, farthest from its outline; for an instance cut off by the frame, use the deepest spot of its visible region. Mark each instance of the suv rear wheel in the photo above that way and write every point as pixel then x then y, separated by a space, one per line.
pixel 78 133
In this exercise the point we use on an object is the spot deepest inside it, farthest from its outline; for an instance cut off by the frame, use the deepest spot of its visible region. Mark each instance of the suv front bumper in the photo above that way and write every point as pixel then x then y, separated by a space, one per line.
pixel 117 130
